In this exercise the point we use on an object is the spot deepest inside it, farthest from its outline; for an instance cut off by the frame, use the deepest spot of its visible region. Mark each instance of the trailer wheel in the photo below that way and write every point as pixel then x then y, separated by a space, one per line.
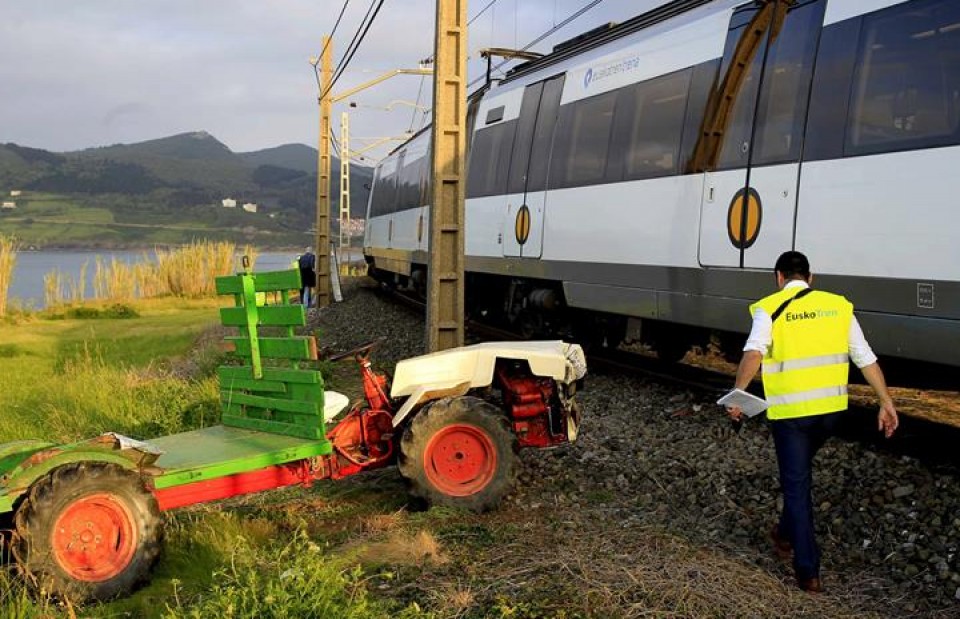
pixel 459 452
pixel 87 531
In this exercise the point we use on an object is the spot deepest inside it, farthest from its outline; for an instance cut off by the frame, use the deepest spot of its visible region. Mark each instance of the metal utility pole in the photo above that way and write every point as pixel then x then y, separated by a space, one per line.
pixel 322 289
pixel 344 181
pixel 445 300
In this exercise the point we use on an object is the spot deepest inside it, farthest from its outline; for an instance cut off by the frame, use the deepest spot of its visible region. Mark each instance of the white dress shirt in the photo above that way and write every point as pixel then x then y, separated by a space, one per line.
pixel 761 334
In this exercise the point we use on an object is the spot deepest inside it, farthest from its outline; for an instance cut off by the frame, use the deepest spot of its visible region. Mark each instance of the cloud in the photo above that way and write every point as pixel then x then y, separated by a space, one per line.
pixel 81 74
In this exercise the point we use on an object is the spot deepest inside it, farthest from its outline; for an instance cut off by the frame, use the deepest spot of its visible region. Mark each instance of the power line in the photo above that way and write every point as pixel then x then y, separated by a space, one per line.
pixel 355 43
pixel 356 34
pixel 316 70
pixel 575 15
pixel 477 16
pixel 481 12
pixel 416 107
pixel 413 115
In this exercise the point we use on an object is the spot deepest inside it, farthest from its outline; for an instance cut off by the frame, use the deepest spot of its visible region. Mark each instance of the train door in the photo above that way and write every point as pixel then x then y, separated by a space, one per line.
pixel 750 146
pixel 529 162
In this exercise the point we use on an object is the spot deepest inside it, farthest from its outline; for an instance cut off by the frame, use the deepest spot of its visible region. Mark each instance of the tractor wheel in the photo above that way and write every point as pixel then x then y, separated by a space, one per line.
pixel 459 452
pixel 87 531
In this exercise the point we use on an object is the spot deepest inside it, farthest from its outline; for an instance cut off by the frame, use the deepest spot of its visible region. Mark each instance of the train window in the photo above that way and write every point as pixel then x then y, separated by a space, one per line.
pixel 543 134
pixel 582 141
pixel 701 81
pixel 372 205
pixel 385 190
pixel 906 92
pixel 426 178
pixel 830 93
pixel 495 114
pixel 409 184
pixel 734 121
pixel 650 121
pixel 526 124
pixel 489 160
pixel 786 86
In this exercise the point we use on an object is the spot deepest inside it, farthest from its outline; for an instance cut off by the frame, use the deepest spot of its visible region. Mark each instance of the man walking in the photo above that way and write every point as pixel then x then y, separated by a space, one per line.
pixel 307 262
pixel 804 339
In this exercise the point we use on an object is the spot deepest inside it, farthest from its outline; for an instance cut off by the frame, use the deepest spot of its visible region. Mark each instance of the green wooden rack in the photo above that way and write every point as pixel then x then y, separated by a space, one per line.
pixel 276 388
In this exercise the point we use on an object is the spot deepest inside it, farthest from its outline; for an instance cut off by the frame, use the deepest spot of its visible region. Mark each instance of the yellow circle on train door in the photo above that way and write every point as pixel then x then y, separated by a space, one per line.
pixel 744 218
pixel 522 224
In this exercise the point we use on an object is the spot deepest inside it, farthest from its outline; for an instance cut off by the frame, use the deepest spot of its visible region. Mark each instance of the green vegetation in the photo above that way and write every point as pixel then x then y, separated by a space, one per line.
pixel 165 191
pixel 116 220
pixel 83 377
pixel 146 370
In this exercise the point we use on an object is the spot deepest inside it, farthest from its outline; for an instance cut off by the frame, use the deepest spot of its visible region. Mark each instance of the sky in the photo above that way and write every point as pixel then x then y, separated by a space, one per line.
pixel 75 75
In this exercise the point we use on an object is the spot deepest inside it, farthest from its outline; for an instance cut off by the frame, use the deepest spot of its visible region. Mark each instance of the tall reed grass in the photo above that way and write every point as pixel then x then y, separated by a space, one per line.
pixel 191 271
pixel 188 271
pixel 113 280
pixel 61 288
pixel 8 259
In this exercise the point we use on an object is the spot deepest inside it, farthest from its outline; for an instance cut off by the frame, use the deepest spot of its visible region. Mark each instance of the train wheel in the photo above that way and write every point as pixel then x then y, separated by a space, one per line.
pixel 87 531
pixel 671 342
pixel 459 452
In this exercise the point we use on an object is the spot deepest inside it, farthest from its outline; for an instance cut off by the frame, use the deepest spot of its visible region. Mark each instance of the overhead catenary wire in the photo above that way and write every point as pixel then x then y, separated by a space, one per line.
pixel 355 43
pixel 316 69
pixel 416 106
pixel 470 21
pixel 356 35
pixel 569 19
pixel 413 116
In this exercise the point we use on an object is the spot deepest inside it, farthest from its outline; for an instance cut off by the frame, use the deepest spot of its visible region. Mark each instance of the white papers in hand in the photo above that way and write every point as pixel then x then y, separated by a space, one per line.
pixel 750 404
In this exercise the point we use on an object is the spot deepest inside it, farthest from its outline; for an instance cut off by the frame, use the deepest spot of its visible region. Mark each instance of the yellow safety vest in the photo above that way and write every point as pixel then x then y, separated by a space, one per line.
pixel 806 368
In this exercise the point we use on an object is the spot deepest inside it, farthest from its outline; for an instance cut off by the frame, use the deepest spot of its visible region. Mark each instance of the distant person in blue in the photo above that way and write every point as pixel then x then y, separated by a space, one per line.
pixel 307 262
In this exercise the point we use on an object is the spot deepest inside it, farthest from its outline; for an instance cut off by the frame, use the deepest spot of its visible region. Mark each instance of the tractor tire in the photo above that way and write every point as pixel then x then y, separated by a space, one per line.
pixel 459 452
pixel 88 531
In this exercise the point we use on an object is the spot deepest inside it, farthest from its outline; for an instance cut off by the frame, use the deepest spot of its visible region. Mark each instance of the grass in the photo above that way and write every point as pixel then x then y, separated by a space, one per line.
pixel 53 220
pixel 66 378
pixel 85 376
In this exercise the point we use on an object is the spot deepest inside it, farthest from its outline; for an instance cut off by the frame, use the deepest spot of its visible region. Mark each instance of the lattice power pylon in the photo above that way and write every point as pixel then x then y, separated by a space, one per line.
pixel 344 180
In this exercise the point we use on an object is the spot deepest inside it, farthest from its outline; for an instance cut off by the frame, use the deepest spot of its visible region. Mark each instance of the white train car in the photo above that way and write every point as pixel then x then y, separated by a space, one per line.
pixel 649 174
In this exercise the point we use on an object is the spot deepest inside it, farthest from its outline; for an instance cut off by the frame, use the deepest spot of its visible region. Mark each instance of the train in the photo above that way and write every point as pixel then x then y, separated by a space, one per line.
pixel 639 181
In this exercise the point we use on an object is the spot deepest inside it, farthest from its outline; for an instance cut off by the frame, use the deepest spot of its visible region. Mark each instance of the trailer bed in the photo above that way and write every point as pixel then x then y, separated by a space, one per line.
pixel 220 450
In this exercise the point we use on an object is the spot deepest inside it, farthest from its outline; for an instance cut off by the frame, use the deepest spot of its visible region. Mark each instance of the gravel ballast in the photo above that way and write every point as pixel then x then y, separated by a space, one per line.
pixel 652 453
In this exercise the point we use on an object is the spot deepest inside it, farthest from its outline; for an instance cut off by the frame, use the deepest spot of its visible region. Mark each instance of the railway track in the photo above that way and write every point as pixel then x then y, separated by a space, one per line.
pixel 933 443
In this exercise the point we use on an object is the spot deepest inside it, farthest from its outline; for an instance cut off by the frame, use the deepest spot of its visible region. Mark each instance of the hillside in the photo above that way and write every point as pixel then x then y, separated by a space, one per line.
pixel 293 156
pixel 175 182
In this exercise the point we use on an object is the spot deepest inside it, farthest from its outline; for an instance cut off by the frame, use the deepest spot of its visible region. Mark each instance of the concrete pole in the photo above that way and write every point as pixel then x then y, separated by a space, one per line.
pixel 445 299
pixel 323 177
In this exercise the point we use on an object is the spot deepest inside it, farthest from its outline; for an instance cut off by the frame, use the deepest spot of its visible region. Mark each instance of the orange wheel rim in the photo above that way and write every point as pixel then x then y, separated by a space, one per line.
pixel 460 460
pixel 94 539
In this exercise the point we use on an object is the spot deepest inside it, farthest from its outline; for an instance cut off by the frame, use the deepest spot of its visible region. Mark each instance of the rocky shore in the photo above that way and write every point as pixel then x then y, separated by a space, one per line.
pixel 651 453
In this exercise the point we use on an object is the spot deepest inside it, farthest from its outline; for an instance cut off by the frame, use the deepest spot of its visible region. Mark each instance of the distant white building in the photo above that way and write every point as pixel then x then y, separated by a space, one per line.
pixel 15 193
pixel 228 203
pixel 8 205
pixel 250 207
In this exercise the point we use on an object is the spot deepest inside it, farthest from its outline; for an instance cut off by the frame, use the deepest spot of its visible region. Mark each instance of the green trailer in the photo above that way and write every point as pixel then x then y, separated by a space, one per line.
pixel 85 518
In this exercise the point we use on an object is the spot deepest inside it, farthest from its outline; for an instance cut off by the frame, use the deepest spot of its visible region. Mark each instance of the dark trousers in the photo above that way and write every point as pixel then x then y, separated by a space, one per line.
pixel 797 442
